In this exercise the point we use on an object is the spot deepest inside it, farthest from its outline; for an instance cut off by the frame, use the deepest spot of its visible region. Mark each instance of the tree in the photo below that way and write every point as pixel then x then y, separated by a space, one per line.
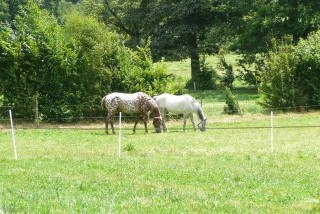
pixel 264 20
pixel 129 18
pixel 177 28
pixel 4 12
pixel 33 52
pixel 69 67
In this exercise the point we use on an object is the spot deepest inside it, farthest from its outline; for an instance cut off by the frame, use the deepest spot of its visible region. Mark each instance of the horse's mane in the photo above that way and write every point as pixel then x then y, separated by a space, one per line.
pixel 200 113
pixel 199 110
pixel 154 107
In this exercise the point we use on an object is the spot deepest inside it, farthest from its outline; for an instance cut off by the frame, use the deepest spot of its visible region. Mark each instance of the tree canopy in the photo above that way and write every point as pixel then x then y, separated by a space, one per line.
pixel 69 53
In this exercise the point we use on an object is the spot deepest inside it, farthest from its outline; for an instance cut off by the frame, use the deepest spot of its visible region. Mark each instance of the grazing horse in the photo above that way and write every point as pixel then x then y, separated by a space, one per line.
pixel 139 103
pixel 183 104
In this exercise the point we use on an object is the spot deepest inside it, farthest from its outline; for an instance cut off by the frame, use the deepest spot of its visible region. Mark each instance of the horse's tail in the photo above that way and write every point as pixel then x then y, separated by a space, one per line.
pixel 103 105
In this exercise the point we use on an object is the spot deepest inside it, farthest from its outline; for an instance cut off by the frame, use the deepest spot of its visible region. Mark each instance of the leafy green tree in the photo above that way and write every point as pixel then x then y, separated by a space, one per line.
pixel 177 28
pixel 291 74
pixel 4 12
pixel 129 18
pixel 265 20
pixel 33 52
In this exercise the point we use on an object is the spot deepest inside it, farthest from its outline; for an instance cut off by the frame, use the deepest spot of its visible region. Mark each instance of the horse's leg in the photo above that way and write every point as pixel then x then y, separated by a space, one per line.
pixel 111 123
pixel 145 121
pixel 145 126
pixel 135 125
pixel 163 116
pixel 184 121
pixel 191 117
pixel 107 122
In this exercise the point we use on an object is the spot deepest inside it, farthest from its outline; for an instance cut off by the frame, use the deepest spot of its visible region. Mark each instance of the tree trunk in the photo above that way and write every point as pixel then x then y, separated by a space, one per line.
pixel 195 59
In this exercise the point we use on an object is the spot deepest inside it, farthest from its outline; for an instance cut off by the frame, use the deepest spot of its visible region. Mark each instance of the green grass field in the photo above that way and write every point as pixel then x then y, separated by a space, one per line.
pixel 229 168
pixel 221 170
pixel 183 69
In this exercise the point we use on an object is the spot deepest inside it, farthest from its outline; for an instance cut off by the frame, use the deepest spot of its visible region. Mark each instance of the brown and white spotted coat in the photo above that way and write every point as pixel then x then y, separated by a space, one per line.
pixel 139 103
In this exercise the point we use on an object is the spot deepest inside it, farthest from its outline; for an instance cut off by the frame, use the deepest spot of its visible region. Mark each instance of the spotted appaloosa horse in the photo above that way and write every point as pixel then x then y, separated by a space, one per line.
pixel 182 104
pixel 139 103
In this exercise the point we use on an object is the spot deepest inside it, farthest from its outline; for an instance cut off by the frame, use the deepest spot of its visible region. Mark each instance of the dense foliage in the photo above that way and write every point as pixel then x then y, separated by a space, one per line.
pixel 292 74
pixel 68 68
pixel 67 54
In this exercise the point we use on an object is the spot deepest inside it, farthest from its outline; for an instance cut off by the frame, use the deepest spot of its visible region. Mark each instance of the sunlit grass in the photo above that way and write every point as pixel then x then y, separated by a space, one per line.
pixel 227 169
pixel 183 68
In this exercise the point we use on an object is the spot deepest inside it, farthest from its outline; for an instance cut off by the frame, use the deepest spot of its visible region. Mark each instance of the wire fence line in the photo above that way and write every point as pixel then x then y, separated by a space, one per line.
pixel 84 122
pixel 98 123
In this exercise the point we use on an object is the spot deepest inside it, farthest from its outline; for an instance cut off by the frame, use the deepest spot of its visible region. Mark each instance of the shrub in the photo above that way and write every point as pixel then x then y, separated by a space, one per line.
pixel 227 78
pixel 307 73
pixel 139 73
pixel 278 82
pixel 291 74
pixel 232 104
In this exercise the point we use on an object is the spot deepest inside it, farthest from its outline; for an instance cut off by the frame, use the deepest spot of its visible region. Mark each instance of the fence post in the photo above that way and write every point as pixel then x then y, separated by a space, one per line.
pixel 37 113
pixel 271 132
pixel 13 137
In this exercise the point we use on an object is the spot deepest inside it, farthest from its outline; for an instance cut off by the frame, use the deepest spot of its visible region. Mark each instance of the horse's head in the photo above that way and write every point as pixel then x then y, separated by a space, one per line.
pixel 202 125
pixel 157 123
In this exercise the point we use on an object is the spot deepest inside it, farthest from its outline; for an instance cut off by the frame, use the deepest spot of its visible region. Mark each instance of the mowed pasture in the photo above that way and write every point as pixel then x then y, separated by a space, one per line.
pixel 227 169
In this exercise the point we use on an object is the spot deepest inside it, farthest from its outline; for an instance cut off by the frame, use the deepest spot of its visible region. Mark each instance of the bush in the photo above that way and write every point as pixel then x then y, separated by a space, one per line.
pixel 139 73
pixel 227 78
pixel 232 104
pixel 291 74
pixel 278 81
pixel 68 68
pixel 307 73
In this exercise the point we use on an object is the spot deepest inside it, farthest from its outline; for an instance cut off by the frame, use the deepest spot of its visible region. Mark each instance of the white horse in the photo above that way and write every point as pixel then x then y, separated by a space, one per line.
pixel 183 104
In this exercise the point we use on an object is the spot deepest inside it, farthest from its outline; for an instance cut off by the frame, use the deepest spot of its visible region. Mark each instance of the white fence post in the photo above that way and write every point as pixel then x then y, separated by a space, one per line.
pixel 13 137
pixel 119 139
pixel 271 132
pixel 37 113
